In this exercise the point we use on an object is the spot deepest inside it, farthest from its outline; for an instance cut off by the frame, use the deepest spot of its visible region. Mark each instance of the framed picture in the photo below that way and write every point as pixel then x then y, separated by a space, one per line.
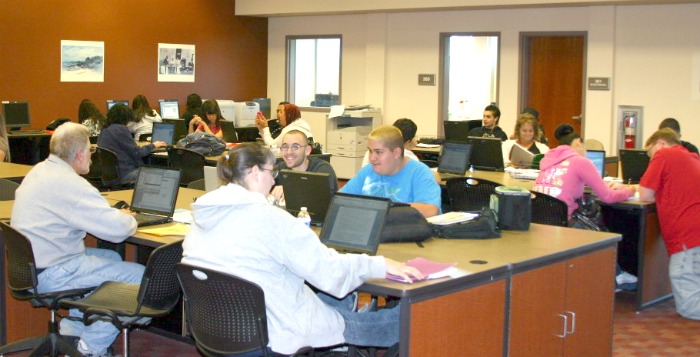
pixel 176 63
pixel 82 61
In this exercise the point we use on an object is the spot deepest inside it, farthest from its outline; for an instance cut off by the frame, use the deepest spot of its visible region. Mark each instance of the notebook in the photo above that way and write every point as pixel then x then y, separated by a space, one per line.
pixel 354 223
pixel 306 189
pixel 155 195
pixel 486 153
pixel 598 159
pixel 633 164
pixel 211 179
pixel 229 132
pixel 521 157
pixel 454 159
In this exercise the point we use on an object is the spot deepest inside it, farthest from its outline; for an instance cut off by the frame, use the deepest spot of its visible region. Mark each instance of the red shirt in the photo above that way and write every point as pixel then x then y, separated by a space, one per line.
pixel 674 174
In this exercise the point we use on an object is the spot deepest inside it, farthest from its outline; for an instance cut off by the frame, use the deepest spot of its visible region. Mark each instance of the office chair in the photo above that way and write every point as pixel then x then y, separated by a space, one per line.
pixel 430 163
pixel 126 305
pixel 190 162
pixel 109 168
pixel 548 210
pixel 324 157
pixel 225 314
pixel 470 194
pixel 22 284
pixel 196 184
pixel 145 137
pixel 7 189
pixel 593 144
pixel 56 123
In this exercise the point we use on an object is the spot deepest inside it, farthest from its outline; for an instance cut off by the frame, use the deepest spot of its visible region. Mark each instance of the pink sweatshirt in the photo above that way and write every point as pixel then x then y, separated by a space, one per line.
pixel 564 173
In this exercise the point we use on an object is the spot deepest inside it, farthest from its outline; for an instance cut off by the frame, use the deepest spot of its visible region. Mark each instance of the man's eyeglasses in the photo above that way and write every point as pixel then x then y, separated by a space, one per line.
pixel 293 147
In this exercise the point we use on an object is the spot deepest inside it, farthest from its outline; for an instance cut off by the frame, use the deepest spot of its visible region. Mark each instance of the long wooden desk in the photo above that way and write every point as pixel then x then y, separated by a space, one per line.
pixel 641 252
pixel 11 170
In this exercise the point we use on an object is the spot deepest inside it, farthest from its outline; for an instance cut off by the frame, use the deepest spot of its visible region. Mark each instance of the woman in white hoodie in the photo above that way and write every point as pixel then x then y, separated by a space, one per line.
pixel 290 119
pixel 237 231
pixel 144 117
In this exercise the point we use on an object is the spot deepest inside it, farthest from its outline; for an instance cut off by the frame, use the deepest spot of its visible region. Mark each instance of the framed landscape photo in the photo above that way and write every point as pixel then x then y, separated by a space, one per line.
pixel 82 61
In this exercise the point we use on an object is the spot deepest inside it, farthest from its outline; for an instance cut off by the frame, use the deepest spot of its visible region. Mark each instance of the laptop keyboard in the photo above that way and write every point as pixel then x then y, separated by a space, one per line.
pixel 150 220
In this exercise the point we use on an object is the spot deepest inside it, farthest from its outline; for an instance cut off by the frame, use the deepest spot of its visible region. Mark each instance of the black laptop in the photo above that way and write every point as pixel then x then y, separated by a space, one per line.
pixel 487 154
pixel 155 195
pixel 454 159
pixel 306 189
pixel 229 131
pixel 180 128
pixel 354 223
pixel 633 164
pixel 458 130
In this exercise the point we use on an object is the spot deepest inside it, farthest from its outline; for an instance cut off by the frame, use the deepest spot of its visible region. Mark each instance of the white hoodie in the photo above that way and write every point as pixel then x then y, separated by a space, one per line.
pixel 238 232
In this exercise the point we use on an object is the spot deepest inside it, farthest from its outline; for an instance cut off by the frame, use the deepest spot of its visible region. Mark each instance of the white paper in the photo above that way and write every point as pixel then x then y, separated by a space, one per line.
pixel 452 217
pixel 336 111
pixel 183 216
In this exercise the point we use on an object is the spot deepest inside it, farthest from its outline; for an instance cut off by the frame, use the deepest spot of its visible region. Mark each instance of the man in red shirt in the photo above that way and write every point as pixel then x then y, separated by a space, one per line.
pixel 671 181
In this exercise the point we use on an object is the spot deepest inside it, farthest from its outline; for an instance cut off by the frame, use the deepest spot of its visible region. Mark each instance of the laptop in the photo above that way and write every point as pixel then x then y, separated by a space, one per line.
pixel 229 132
pixel 164 132
pixel 169 108
pixel 155 195
pixel 306 189
pixel 247 134
pixel 598 159
pixel 521 157
pixel 633 164
pixel 180 128
pixel 458 130
pixel 454 159
pixel 486 153
pixel 211 179
pixel 354 223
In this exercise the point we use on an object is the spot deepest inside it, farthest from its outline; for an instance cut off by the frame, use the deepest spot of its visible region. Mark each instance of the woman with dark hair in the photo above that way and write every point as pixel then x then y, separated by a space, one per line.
pixel 194 108
pixel 91 117
pixel 212 123
pixel 115 136
pixel 144 117
pixel 4 143
pixel 290 119
pixel 282 257
pixel 565 170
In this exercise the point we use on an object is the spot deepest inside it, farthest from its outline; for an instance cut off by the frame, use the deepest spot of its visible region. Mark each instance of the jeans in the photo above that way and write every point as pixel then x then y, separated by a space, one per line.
pixel 684 271
pixel 87 270
pixel 376 328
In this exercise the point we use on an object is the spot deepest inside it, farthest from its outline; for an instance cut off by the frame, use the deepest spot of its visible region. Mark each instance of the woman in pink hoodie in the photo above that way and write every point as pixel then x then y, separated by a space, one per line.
pixel 565 170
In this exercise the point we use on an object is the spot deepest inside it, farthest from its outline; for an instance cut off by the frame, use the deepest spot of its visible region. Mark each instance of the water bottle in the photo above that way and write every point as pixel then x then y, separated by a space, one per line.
pixel 304 216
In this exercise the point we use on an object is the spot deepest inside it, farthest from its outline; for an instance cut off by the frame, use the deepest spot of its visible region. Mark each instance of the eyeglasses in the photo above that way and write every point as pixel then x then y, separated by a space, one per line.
pixel 273 171
pixel 293 147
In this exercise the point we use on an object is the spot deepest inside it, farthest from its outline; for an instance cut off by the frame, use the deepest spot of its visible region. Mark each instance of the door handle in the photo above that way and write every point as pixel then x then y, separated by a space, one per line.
pixel 566 325
pixel 573 322
pixel 577 117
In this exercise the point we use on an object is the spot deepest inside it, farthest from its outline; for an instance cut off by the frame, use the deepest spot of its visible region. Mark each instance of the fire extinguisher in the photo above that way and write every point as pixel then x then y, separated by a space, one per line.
pixel 630 132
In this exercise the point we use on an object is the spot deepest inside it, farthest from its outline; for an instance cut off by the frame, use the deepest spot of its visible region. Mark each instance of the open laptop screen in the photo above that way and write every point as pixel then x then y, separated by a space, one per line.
pixel 163 132
pixel 486 153
pixel 633 164
pixel 354 223
pixel 598 159
pixel 169 108
pixel 454 158
pixel 156 190
pixel 306 189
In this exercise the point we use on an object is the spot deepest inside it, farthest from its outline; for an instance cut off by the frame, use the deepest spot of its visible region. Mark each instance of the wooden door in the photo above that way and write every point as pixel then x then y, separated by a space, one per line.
pixel 553 73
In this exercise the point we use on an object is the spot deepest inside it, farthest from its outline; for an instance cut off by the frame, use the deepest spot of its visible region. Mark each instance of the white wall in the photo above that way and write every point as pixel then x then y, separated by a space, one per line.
pixel 645 50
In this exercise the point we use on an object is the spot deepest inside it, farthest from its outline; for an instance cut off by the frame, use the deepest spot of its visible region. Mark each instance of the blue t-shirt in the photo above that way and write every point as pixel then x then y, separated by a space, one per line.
pixel 414 183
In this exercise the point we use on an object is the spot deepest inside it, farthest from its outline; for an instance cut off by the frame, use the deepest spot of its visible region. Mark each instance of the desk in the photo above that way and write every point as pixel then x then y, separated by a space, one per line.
pixel 10 170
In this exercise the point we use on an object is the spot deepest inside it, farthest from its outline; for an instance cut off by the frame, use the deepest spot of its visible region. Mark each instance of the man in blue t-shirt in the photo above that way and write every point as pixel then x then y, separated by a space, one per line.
pixel 394 176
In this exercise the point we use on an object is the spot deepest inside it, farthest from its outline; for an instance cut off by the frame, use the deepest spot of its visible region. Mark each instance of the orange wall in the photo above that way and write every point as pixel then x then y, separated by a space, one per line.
pixel 231 52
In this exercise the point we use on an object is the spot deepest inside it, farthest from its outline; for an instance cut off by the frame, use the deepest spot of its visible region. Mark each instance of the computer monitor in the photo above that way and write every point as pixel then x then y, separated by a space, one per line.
pixel 486 153
pixel 111 103
pixel 16 114
pixel 164 132
pixel 169 108
pixel 458 130
pixel 633 164
pixel 598 159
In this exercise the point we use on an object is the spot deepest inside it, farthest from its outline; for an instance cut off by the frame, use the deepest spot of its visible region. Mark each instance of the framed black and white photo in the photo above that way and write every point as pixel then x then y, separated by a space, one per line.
pixel 176 62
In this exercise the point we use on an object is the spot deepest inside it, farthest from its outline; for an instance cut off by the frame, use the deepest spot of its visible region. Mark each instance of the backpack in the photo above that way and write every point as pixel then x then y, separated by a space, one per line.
pixel 203 143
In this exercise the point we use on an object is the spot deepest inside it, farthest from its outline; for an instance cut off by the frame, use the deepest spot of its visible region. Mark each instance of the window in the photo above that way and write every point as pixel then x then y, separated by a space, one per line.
pixel 313 70
pixel 469 74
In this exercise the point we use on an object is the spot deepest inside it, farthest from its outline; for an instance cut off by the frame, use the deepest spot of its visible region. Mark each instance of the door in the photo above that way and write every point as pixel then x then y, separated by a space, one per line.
pixel 553 79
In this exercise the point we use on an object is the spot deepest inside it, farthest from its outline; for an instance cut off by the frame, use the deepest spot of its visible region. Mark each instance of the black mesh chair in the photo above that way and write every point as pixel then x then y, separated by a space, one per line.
pixel 548 210
pixel 109 168
pixel 22 284
pixel 470 194
pixel 127 305
pixel 225 314
pixel 7 189
pixel 190 163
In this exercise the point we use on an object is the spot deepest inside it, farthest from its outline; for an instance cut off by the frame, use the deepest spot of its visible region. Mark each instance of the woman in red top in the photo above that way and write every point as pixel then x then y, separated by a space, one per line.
pixel 212 124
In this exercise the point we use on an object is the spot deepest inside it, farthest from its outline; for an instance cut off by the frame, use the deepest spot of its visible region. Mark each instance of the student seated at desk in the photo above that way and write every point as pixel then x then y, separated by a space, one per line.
pixel 394 176
pixel 526 133
pixel 212 123
pixel 295 152
pixel 193 108
pixel 290 119
pixel 91 117
pixel 673 124
pixel 490 128
pixel 116 137
pixel 671 181
pixel 4 143
pixel 278 252
pixel 55 208
pixel 144 117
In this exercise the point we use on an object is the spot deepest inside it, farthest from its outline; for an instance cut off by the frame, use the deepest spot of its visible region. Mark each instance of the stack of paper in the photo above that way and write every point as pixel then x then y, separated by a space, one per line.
pixel 452 217
pixel 429 269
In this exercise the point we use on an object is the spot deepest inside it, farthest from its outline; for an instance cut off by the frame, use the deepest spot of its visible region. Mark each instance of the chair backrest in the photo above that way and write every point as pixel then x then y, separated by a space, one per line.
pixel 94 173
pixel 190 163
pixel 20 263
pixel 470 194
pixel 109 167
pixel 225 313
pixel 197 185
pixel 548 210
pixel 159 286
pixel 430 163
pixel 7 189
pixel 144 137
pixel 56 123
pixel 593 144
pixel 325 157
